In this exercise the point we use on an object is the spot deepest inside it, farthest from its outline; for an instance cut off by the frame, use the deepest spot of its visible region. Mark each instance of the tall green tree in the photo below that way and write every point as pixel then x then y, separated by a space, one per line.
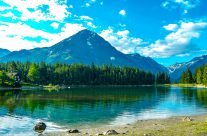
pixel 162 78
pixel 189 76
pixel 33 73
pixel 205 75
pixel 3 77
pixel 198 76
pixel 183 79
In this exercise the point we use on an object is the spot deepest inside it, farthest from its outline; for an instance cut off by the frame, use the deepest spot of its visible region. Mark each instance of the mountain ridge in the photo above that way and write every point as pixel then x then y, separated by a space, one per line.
pixel 4 52
pixel 192 65
pixel 85 47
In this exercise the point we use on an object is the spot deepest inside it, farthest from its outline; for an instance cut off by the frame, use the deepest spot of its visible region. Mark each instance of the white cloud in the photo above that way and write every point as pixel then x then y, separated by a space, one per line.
pixel 67 31
pixel 183 55
pixel 185 11
pixel 86 18
pixel 55 25
pixel 90 24
pixel 9 15
pixel 123 33
pixel 22 30
pixel 186 5
pixel 4 8
pixel 177 42
pixel 12 35
pixel 88 5
pixel 122 25
pixel 171 27
pixel 17 36
pixel 71 6
pixel 121 40
pixel 89 2
pixel 165 4
pixel 56 10
pixel 122 12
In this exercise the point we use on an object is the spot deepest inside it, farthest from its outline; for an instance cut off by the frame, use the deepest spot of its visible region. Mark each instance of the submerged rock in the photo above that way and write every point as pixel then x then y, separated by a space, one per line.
pixel 40 127
pixel 111 132
pixel 73 131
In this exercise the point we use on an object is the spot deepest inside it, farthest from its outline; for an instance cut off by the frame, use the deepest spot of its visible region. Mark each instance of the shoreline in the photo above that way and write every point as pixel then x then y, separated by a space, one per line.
pixel 71 86
pixel 55 87
pixel 188 85
pixel 172 126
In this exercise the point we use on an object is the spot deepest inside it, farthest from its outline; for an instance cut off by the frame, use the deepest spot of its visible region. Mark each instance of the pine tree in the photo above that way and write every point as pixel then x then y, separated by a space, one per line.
pixel 198 76
pixel 205 75
pixel 183 78
pixel 189 76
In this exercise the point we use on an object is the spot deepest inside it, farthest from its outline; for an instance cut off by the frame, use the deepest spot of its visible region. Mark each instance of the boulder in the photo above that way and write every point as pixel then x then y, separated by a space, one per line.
pixel 73 131
pixel 187 119
pixel 111 132
pixel 40 127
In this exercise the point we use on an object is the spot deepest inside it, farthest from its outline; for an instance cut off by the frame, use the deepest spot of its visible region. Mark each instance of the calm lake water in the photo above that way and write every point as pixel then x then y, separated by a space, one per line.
pixel 89 107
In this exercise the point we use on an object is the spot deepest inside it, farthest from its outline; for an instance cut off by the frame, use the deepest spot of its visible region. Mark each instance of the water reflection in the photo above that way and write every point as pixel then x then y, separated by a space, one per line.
pixel 97 106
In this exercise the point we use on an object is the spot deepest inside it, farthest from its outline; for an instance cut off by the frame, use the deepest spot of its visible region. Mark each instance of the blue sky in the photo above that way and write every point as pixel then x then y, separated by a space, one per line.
pixel 169 31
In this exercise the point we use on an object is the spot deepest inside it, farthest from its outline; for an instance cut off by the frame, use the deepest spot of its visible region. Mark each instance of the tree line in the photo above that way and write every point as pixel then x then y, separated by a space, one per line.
pixel 198 77
pixel 77 74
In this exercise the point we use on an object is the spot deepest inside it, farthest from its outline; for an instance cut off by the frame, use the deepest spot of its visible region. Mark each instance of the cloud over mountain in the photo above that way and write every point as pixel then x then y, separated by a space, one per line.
pixel 178 42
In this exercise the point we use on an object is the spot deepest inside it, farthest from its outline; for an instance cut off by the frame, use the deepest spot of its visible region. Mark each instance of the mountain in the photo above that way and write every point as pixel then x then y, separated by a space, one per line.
pixel 146 63
pixel 85 47
pixel 4 52
pixel 177 69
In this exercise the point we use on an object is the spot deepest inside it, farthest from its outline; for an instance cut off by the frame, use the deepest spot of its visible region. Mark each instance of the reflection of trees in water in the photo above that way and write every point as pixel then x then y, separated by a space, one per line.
pixel 199 96
pixel 107 102
pixel 11 101
pixel 202 96
pixel 77 97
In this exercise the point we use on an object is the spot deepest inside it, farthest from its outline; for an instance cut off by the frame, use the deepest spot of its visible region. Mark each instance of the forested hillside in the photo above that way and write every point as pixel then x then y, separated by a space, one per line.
pixel 77 74
pixel 199 76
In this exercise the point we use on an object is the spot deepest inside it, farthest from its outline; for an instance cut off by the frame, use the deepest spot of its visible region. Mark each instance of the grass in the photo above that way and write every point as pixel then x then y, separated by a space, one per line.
pixel 178 129
pixel 185 85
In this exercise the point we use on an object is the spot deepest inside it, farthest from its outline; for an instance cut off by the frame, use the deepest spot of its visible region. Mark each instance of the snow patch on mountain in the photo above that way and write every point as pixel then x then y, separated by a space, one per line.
pixel 174 67
pixel 112 58
pixel 177 69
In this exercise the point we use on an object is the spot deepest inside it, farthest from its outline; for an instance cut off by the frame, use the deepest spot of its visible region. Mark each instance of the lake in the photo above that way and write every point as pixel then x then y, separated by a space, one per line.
pixel 97 106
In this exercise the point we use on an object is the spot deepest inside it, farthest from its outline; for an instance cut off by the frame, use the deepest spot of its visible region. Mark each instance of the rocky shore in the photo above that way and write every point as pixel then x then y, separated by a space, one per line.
pixel 174 126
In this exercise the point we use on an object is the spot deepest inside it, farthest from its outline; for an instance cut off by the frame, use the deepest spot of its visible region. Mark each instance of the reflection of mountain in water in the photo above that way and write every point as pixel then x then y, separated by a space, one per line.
pixel 80 106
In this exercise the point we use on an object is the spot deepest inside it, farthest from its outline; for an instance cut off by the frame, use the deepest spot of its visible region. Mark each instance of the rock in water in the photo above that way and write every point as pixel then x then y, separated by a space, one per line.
pixel 40 127
pixel 111 132
pixel 73 131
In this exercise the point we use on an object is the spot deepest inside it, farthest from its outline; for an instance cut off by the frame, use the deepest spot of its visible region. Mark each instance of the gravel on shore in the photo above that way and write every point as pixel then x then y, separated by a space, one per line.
pixel 174 126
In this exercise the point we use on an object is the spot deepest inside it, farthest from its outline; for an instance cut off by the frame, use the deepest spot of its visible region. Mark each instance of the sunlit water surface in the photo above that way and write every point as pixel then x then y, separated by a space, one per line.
pixel 98 106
